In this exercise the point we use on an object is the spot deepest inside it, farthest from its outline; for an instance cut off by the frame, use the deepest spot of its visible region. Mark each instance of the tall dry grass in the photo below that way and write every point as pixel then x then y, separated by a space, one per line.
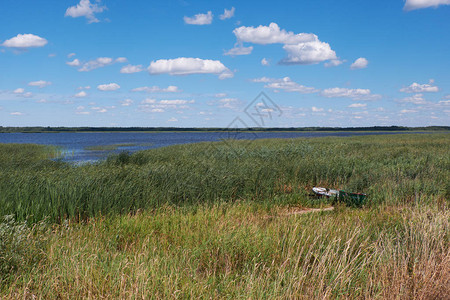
pixel 244 251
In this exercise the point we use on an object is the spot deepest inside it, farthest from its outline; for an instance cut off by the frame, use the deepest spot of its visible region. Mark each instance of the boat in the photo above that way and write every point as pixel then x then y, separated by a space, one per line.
pixel 350 199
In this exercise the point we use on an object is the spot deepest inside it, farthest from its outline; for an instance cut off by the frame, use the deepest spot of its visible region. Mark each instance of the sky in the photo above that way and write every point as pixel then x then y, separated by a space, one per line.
pixel 181 63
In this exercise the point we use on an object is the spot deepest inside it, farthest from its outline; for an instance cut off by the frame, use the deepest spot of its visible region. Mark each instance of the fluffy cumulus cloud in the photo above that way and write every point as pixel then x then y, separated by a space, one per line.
pixel 360 63
pixel 157 89
pixel 308 53
pixel 285 84
pixel 239 50
pixel 227 14
pixel 271 34
pixel 187 66
pixel 40 83
pixel 85 9
pixel 108 87
pixel 25 41
pixel 355 94
pixel 129 69
pixel 418 4
pixel 81 94
pixel 199 19
pixel 99 62
pixel 301 48
pixel 264 62
pixel 421 88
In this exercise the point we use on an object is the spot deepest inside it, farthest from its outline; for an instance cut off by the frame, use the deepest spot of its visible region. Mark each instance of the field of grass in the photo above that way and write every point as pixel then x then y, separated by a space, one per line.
pixel 211 220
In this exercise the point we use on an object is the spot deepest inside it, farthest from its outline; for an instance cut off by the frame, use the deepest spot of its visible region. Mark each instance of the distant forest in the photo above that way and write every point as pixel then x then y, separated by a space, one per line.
pixel 155 129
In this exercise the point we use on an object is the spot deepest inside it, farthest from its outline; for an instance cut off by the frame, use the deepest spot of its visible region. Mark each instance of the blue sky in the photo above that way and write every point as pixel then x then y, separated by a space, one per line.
pixel 203 63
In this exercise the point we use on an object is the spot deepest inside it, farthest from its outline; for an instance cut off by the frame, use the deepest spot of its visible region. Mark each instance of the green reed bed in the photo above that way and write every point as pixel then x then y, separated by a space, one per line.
pixel 390 169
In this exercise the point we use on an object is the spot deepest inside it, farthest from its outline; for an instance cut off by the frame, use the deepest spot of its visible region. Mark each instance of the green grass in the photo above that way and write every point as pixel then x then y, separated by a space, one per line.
pixel 390 169
pixel 211 220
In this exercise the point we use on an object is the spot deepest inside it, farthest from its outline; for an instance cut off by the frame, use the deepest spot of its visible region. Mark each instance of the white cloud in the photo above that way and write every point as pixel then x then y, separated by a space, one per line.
pixel 333 63
pixel 96 63
pixel 40 83
pixel 360 63
pixel 85 9
pixel 121 60
pixel 420 88
pixel 17 113
pixel 199 19
pixel 302 48
pixel 70 55
pixel 415 99
pixel 239 50
pixel 287 85
pixel 175 102
pixel 308 53
pixel 87 87
pixel 408 111
pixel 99 62
pixel 19 91
pixel 148 101
pixel 444 102
pixel 81 94
pixel 25 41
pixel 157 110
pixel 357 105
pixel 264 62
pixel 172 120
pixel 316 109
pixel 227 14
pixel 187 66
pixel 126 102
pixel 271 34
pixel 108 87
pixel 157 89
pixel 262 79
pixel 74 63
pixel 231 103
pixel 356 94
pixel 131 69
pixel 418 4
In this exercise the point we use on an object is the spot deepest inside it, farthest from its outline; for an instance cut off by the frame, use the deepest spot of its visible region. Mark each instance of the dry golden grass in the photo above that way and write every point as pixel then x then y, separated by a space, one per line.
pixel 245 251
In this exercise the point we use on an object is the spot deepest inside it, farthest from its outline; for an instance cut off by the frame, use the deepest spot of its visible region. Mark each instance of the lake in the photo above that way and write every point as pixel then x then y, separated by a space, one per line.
pixel 76 146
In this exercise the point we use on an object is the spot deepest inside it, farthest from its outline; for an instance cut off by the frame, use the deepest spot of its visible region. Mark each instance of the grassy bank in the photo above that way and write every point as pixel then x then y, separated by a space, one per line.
pixel 391 169
pixel 212 220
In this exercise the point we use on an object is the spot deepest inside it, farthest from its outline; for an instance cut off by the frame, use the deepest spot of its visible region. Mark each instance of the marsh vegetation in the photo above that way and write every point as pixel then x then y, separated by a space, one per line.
pixel 209 220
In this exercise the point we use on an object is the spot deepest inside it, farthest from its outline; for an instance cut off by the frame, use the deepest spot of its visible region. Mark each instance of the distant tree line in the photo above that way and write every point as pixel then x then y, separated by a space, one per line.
pixel 39 129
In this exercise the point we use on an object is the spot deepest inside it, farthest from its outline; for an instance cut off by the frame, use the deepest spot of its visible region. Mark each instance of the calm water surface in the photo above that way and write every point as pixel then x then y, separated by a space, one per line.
pixel 74 144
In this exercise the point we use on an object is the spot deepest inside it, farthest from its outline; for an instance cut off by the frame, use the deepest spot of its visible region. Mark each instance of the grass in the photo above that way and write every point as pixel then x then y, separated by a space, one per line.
pixel 209 221
pixel 390 169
